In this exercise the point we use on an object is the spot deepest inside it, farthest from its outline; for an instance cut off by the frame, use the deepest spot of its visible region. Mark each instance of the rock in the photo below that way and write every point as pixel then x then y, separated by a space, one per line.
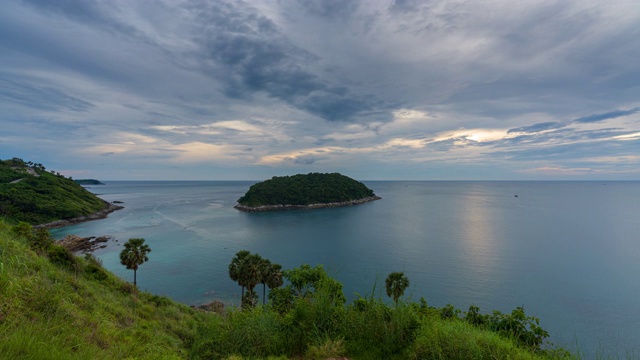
pixel 214 306
pixel 95 216
pixel 76 243
pixel 302 207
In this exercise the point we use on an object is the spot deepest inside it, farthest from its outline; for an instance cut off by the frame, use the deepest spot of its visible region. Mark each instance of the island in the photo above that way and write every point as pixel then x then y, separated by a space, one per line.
pixel 310 191
pixel 88 182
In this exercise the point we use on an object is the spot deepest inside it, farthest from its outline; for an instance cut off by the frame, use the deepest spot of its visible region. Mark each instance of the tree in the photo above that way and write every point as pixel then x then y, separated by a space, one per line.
pixel 23 230
pixel 42 240
pixel 396 283
pixel 235 268
pixel 271 276
pixel 265 269
pixel 305 283
pixel 134 254
pixel 251 270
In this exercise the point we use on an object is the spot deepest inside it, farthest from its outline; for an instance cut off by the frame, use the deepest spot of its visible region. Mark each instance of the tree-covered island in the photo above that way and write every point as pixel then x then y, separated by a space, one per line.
pixel 313 190
pixel 88 182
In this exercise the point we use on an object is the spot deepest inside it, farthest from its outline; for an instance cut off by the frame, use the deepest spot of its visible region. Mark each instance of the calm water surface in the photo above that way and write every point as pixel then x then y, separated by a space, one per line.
pixel 568 251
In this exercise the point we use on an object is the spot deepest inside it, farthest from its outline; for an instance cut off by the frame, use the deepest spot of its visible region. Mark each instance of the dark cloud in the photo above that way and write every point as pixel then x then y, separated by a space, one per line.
pixel 331 9
pixel 306 160
pixel 39 97
pixel 253 56
pixel 606 116
pixel 536 127
pixel 404 5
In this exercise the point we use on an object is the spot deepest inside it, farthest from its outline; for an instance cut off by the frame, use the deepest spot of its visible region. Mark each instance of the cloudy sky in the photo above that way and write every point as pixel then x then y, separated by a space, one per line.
pixel 244 90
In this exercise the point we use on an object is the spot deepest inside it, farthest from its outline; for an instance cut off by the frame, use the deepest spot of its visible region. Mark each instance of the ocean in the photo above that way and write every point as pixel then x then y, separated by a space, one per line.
pixel 569 252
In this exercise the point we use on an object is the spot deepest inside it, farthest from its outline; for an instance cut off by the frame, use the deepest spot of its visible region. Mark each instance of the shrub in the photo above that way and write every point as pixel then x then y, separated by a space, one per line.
pixel 41 241
pixel 61 256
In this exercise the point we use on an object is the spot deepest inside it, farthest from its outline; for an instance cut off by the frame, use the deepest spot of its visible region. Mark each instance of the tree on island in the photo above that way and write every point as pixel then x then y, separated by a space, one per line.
pixel 134 254
pixel 396 283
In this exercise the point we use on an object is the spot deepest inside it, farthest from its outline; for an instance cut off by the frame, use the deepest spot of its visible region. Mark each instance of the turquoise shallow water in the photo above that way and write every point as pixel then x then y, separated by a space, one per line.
pixel 568 251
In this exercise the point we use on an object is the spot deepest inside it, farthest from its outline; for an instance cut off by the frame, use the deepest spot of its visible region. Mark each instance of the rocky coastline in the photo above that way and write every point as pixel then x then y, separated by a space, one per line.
pixel 77 244
pixel 110 207
pixel 281 207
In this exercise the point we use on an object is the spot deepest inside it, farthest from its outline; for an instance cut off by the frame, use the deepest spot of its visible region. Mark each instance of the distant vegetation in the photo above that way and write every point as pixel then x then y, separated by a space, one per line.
pixel 28 192
pixel 54 305
pixel 313 188
pixel 88 182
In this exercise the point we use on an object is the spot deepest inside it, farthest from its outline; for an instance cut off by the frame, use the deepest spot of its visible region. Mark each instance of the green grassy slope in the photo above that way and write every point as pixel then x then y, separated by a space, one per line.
pixel 81 311
pixel 39 196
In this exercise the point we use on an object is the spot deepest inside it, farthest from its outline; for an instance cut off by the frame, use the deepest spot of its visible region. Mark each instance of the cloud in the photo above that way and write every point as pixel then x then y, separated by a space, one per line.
pixel 330 9
pixel 306 160
pixel 252 56
pixel 607 116
pixel 22 91
pixel 560 171
pixel 536 127
pixel 286 85
pixel 92 13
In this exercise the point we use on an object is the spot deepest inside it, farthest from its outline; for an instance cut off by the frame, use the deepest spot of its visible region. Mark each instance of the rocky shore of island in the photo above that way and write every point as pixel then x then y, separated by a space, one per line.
pixel 280 207
pixel 110 207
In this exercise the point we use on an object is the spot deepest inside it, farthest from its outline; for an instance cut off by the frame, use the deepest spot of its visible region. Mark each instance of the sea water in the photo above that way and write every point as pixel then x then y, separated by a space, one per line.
pixel 569 252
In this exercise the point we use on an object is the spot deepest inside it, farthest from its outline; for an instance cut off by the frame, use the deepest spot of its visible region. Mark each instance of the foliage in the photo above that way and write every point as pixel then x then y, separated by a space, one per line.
pixel 395 284
pixel 53 311
pixel 313 188
pixel 304 282
pixel 88 182
pixel 249 270
pixel 41 240
pixel 134 254
pixel 524 329
pixel 31 194
pixel 61 256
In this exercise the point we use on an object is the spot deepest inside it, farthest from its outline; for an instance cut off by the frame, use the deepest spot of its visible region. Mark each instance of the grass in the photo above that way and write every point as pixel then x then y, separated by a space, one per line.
pixel 79 310
pixel 50 311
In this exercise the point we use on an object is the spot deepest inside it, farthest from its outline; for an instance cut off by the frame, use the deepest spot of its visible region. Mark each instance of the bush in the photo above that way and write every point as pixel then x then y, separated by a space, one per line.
pixel 41 241
pixel 61 256
pixel 373 328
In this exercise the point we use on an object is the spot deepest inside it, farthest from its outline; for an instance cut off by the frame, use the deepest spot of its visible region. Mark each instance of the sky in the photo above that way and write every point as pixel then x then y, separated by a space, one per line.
pixel 375 90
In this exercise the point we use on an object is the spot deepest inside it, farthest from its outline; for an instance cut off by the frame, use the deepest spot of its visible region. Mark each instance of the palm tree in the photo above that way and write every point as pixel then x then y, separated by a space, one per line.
pixel 396 283
pixel 251 274
pixel 134 254
pixel 235 268
pixel 274 277
pixel 265 269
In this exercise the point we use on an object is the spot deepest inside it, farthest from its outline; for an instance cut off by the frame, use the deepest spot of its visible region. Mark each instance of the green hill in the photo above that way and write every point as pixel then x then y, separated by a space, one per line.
pixel 58 307
pixel 28 192
pixel 304 191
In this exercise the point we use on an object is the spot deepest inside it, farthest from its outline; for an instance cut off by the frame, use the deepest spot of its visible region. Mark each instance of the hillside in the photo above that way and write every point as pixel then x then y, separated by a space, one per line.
pixel 304 191
pixel 58 307
pixel 29 193
pixel 53 306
